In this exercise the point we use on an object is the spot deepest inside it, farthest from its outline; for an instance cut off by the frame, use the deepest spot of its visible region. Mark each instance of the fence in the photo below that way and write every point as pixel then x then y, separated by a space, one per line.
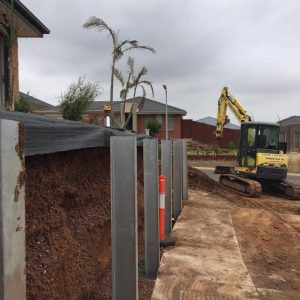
pixel 80 212
pixel 124 225
pixel 203 133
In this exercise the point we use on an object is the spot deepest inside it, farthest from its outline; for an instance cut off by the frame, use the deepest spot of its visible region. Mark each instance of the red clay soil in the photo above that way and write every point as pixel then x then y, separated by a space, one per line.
pixel 199 180
pixel 68 234
pixel 268 232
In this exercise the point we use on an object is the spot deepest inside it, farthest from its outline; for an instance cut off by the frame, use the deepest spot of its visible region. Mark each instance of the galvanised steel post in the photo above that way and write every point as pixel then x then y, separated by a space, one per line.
pixel 124 217
pixel 166 170
pixel 152 250
pixel 177 175
pixel 167 129
pixel 12 212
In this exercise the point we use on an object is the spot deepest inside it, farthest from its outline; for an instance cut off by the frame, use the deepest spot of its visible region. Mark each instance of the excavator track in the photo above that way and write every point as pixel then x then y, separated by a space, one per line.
pixel 243 186
pixel 283 188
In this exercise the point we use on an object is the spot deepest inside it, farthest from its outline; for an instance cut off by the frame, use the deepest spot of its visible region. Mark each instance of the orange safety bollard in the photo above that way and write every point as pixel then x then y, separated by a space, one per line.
pixel 162 195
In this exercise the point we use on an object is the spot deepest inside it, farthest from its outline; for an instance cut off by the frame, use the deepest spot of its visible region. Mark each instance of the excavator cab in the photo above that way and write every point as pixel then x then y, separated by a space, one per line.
pixel 260 152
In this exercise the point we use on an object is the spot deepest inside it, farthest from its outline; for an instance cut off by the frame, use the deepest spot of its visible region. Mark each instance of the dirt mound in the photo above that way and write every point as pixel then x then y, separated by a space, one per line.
pixel 68 227
pixel 199 180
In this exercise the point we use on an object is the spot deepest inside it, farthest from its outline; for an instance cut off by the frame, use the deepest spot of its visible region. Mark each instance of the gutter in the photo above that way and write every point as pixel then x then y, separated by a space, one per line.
pixel 23 11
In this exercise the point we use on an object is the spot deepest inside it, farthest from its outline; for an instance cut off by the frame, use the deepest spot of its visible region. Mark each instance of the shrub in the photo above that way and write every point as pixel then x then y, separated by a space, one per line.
pixel 154 126
pixel 76 101
pixel 24 105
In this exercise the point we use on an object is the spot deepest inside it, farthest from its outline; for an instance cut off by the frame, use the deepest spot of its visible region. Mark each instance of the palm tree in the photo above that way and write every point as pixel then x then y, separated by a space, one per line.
pixel 119 48
pixel 126 86
pixel 136 83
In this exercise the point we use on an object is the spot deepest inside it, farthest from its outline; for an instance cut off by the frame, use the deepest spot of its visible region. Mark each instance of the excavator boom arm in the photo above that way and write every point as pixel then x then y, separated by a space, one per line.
pixel 227 100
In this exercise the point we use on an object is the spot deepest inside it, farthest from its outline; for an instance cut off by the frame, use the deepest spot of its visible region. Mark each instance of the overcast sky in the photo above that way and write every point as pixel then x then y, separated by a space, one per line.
pixel 251 46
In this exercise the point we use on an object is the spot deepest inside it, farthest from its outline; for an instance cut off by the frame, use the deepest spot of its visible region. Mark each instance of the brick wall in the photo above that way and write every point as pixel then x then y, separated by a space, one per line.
pixel 174 133
pixel 14 82
pixel 203 133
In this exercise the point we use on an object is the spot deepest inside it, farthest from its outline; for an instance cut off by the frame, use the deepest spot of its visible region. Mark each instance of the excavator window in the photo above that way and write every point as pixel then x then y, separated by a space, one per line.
pixel 268 137
pixel 251 147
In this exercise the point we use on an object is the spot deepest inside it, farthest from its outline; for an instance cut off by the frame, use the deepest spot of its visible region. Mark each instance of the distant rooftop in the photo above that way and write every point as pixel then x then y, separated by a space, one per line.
pixel 39 105
pixel 213 121
pixel 150 107
pixel 290 121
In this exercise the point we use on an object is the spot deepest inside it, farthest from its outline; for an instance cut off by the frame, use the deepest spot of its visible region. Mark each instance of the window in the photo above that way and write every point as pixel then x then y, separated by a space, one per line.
pixel 159 119
pixel 147 118
pixel 297 140
pixel 251 137
pixel 282 137
pixel 170 122
pixel 267 137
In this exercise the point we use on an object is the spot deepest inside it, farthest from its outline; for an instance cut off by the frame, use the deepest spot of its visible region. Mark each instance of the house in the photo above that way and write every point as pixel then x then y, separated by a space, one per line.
pixel 16 21
pixel 149 109
pixel 290 133
pixel 38 105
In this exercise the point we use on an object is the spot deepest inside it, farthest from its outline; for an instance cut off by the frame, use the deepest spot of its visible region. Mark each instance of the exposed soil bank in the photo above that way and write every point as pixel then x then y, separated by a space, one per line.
pixel 68 234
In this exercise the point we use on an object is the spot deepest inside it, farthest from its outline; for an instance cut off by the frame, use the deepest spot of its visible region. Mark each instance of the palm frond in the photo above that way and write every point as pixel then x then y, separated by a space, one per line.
pixel 129 84
pixel 143 72
pixel 99 25
pixel 149 84
pixel 142 102
pixel 123 94
pixel 130 64
pixel 138 47
pixel 119 76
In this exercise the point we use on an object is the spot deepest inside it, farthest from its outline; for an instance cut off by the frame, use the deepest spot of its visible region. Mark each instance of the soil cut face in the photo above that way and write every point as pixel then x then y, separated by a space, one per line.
pixel 68 226
pixel 268 232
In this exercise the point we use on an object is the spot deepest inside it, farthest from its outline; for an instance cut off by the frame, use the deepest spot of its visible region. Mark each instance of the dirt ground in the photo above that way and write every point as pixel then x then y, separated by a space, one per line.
pixel 68 231
pixel 268 232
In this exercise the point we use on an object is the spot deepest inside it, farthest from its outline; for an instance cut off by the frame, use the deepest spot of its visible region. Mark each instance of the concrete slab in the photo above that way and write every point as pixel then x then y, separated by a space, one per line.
pixel 206 262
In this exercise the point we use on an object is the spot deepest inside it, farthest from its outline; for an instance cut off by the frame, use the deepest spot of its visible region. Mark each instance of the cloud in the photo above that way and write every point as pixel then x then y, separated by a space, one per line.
pixel 252 46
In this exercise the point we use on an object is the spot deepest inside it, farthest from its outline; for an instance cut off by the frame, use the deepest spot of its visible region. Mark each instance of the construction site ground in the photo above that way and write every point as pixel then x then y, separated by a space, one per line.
pixel 231 247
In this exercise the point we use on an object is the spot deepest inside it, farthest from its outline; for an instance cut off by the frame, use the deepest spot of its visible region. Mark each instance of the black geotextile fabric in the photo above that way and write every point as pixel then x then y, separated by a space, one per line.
pixel 48 135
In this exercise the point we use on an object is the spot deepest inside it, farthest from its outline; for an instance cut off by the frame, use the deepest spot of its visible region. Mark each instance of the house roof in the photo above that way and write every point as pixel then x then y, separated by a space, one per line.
pixel 290 121
pixel 150 107
pixel 25 16
pixel 39 105
pixel 213 121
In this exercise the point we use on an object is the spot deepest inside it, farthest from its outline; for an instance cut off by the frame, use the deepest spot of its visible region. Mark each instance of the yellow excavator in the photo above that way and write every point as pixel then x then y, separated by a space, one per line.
pixel 262 162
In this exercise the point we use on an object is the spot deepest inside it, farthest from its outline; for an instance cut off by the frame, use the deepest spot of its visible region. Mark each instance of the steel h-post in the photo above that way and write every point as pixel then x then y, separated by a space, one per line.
pixel 177 178
pixel 12 212
pixel 152 250
pixel 124 217
pixel 184 171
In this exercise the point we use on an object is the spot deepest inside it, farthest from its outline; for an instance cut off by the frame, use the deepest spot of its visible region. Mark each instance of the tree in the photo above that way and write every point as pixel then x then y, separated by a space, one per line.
pixel 154 126
pixel 75 102
pixel 119 47
pixel 126 86
pixel 134 84
pixel 24 105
